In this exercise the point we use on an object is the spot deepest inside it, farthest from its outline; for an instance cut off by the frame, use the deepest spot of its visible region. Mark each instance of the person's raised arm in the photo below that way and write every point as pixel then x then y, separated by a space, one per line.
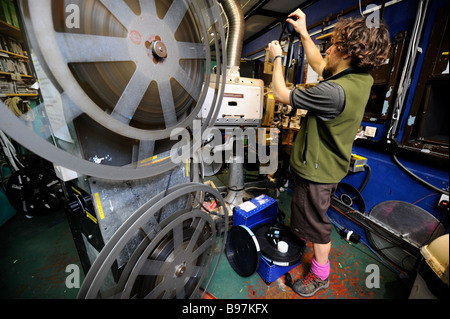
pixel 312 53
pixel 280 92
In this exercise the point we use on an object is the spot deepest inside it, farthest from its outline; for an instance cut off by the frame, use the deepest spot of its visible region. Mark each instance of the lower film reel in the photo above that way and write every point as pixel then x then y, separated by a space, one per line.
pixel 34 191
pixel 350 196
pixel 174 246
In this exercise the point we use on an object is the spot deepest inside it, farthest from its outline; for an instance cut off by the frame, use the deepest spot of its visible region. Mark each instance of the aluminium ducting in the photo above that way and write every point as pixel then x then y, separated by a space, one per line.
pixel 236 32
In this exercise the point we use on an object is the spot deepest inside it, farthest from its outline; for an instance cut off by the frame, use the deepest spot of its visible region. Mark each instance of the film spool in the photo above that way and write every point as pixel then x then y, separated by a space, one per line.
pixel 243 250
pixel 34 191
pixel 270 252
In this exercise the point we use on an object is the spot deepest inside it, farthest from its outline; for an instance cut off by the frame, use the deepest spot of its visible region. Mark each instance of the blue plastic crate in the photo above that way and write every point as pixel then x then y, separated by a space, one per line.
pixel 261 209
pixel 270 272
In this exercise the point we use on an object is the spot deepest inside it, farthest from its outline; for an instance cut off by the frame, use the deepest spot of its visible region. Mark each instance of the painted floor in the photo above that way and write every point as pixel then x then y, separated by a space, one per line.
pixel 35 253
pixel 348 278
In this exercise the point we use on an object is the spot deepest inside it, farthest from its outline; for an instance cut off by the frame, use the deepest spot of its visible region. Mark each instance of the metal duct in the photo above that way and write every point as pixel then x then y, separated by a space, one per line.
pixel 236 31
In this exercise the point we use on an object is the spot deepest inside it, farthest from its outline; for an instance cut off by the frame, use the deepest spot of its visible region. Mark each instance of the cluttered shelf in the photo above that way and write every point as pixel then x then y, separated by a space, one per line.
pixel 16 78
pixel 15 55
pixel 18 94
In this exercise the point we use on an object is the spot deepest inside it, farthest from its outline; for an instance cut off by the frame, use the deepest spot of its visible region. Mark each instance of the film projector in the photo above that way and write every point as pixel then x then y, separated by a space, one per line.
pixel 116 77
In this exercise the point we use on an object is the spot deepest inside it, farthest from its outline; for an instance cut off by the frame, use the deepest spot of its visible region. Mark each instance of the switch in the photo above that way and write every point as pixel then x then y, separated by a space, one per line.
pixel 443 201
pixel 370 131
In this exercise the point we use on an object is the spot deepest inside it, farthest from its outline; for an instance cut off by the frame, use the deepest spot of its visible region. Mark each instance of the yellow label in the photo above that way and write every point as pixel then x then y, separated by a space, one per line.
pixel 358 157
pixel 90 217
pixel 99 205
pixel 187 168
pixel 155 160
pixel 149 159
pixel 76 190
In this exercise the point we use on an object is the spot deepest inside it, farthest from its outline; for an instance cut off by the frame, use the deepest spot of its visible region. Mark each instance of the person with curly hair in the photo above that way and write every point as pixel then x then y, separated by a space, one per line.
pixel 322 150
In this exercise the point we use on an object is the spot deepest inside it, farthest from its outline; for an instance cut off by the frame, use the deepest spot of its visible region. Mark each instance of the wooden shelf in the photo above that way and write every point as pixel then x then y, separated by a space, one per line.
pixel 22 75
pixel 20 94
pixel 6 28
pixel 15 55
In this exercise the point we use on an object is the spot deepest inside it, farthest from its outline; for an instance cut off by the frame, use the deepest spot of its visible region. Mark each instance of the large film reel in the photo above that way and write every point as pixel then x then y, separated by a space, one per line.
pixel 172 256
pixel 126 73
pixel 137 69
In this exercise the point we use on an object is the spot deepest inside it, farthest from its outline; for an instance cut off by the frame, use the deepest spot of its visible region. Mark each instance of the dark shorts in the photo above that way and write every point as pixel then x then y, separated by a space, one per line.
pixel 309 205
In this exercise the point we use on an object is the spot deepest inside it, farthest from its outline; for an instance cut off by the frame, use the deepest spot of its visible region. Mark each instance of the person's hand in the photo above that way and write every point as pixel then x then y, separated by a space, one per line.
pixel 274 50
pixel 299 24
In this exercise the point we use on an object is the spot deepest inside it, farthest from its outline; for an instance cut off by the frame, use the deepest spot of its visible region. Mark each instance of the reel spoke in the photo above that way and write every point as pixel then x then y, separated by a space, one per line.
pixel 178 238
pixel 188 50
pixel 196 235
pixel 186 82
pixel 120 10
pixel 147 5
pixel 205 246
pixel 131 97
pixel 167 103
pixel 78 48
pixel 153 267
pixel 175 14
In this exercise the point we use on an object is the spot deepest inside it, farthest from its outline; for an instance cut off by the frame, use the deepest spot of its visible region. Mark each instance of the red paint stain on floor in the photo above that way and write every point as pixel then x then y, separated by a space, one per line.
pixel 346 280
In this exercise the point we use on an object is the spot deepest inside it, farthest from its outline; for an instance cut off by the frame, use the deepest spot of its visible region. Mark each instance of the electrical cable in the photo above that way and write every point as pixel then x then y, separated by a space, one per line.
pixel 405 79
pixel 10 151
pixel 367 245
pixel 366 180
pixel 360 9
pixel 16 105
pixel 417 177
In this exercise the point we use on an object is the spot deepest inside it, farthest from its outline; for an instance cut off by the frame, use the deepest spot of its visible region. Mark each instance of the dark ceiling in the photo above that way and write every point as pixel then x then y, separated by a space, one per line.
pixel 262 15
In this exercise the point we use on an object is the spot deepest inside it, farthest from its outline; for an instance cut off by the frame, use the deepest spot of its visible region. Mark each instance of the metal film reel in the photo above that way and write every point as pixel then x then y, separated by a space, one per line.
pixel 136 68
pixel 409 222
pixel 175 257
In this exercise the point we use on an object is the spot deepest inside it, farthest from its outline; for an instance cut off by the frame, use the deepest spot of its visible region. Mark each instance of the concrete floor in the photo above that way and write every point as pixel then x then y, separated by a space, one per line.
pixel 349 263
pixel 34 255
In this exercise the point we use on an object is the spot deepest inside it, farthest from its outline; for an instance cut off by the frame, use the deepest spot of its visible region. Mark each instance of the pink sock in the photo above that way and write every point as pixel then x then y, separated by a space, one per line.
pixel 321 271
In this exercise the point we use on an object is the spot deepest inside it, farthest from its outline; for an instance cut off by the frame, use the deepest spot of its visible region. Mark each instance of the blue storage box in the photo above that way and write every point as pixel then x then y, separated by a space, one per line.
pixel 270 272
pixel 261 209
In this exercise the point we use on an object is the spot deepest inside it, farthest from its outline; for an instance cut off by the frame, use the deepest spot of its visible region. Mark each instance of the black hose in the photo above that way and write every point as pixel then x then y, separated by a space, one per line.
pixel 366 180
pixel 417 177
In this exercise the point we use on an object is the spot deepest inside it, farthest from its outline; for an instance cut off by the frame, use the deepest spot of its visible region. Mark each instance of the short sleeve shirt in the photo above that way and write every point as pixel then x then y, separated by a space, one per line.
pixel 325 100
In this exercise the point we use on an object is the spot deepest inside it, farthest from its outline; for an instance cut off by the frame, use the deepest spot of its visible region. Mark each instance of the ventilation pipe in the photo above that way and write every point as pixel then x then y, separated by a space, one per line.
pixel 236 29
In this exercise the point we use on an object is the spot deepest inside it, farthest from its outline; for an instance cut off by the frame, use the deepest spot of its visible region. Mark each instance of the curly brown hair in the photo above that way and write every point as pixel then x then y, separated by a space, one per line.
pixel 368 46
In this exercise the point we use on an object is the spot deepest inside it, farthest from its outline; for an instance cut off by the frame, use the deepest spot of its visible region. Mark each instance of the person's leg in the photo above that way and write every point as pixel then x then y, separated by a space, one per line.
pixel 310 222
pixel 321 252
pixel 320 265
pixel 318 276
